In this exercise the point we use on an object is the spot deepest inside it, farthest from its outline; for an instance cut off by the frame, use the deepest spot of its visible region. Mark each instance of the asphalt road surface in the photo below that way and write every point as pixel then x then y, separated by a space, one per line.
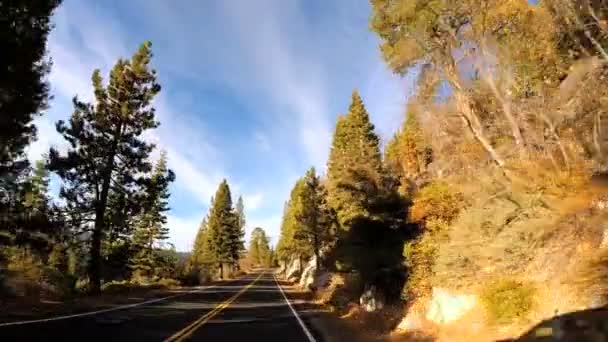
pixel 252 308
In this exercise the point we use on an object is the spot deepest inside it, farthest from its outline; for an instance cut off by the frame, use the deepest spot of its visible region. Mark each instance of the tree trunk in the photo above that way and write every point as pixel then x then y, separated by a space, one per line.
pixel 467 113
pixel 300 263
pixel 317 248
pixel 558 140
pixel 100 210
pixel 597 124
pixel 472 122
pixel 506 109
pixel 506 106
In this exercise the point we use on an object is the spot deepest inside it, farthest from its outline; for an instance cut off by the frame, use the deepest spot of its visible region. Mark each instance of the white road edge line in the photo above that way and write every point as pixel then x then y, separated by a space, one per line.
pixel 92 313
pixel 295 313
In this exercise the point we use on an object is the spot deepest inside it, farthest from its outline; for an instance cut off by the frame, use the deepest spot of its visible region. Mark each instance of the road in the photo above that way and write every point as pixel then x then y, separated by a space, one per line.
pixel 252 308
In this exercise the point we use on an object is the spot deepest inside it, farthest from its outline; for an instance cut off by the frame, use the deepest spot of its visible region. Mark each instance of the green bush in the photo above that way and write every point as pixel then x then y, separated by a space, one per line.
pixel 507 300
pixel 125 286
pixel 168 283
pixel 436 201
pixel 118 286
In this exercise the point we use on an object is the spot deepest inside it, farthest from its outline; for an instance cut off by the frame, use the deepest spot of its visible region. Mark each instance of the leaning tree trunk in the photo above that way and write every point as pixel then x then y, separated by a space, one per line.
pixel 467 113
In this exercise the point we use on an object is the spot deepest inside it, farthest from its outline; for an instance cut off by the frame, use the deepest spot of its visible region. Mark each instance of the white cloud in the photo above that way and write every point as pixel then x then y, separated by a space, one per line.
pixel 190 178
pixel 47 137
pixel 270 224
pixel 288 70
pixel 253 201
pixel 182 231
pixel 294 83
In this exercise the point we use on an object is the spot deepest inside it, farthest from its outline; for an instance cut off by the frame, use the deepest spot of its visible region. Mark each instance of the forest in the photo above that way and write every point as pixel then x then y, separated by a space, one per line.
pixel 489 188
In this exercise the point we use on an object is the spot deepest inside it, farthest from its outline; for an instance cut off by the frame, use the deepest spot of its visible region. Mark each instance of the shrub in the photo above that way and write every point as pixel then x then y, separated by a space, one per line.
pixel 420 255
pixel 118 286
pixel 436 201
pixel 25 263
pixel 507 300
pixel 169 283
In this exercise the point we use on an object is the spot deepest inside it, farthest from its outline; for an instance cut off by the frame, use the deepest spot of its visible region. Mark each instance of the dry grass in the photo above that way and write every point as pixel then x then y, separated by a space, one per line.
pixel 539 227
pixel 507 300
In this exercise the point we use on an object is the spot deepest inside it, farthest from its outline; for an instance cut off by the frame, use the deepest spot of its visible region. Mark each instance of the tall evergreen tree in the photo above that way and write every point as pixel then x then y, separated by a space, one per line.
pixel 408 154
pixel 224 234
pixel 24 27
pixel 313 217
pixel 364 198
pixel 201 256
pixel 108 153
pixel 259 248
pixel 354 169
pixel 241 221
pixel 287 245
pixel 151 222
pixel 36 198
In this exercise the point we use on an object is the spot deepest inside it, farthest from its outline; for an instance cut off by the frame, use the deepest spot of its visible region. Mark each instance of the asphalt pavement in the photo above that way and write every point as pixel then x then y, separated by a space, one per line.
pixel 252 308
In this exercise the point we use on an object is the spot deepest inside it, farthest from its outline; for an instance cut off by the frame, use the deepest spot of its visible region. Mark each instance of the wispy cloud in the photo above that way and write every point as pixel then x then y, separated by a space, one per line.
pixel 250 92
pixel 182 231
pixel 253 201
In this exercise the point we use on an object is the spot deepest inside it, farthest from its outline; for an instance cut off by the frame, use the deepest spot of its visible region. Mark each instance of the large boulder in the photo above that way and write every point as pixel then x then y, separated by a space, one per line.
pixel 446 307
pixel 411 322
pixel 371 300
pixel 308 275
pixel 282 268
pixel 293 269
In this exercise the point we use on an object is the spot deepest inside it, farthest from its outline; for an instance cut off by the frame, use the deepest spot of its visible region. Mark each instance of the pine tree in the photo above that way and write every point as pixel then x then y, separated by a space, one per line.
pixel 260 253
pixel 415 153
pixel 287 246
pixel 24 27
pixel 313 217
pixel 36 198
pixel 392 155
pixel 368 208
pixel 241 221
pixel 408 154
pixel 224 234
pixel 108 152
pixel 265 251
pixel 354 169
pixel 201 256
pixel 254 245
pixel 151 222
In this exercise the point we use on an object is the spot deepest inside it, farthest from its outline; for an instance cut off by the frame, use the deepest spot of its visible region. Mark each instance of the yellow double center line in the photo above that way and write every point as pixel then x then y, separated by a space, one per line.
pixel 187 331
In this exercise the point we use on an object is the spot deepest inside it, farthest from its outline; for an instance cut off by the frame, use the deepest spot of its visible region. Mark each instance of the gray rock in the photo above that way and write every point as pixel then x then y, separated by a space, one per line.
pixel 410 322
pixel 446 307
pixel 293 268
pixel 308 275
pixel 371 300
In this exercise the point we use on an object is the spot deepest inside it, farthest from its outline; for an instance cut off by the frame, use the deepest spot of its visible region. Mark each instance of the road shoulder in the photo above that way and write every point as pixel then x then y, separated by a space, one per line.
pixel 324 324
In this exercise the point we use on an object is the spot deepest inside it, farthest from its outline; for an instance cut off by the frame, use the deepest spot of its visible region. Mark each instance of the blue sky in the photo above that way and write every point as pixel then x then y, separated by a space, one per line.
pixel 251 89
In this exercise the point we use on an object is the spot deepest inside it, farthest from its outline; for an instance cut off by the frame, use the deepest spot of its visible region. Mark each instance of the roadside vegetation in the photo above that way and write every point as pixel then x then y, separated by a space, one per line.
pixel 485 198
pixel 219 243
pixel 490 174
pixel 107 226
